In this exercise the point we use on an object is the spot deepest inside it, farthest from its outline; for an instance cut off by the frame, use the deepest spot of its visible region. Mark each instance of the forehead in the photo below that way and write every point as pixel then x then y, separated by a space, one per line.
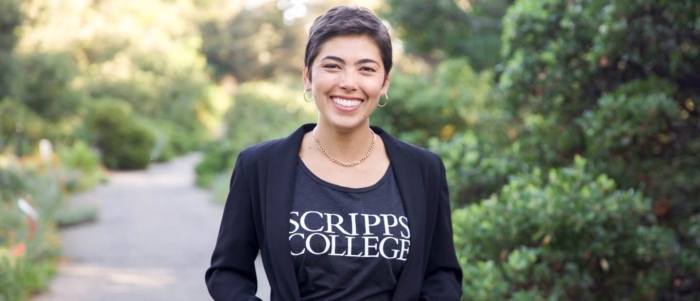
pixel 350 48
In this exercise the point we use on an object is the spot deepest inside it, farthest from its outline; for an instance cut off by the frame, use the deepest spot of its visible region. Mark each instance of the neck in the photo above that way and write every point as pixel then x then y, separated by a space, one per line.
pixel 346 146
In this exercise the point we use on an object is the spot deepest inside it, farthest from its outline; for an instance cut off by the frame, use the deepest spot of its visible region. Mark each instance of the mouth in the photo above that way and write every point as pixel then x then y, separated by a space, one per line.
pixel 345 102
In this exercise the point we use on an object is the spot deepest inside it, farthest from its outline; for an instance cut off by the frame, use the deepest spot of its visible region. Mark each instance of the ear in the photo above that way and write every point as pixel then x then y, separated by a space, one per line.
pixel 387 81
pixel 305 79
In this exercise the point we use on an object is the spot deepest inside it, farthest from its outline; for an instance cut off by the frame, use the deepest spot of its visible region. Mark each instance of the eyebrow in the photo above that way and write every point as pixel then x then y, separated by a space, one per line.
pixel 342 61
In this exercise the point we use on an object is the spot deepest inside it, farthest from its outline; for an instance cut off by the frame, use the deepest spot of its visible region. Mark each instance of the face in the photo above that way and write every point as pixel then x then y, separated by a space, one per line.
pixel 348 78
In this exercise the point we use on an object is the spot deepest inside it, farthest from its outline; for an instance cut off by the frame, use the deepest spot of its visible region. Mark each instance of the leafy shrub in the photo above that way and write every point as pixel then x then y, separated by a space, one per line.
pixel 220 186
pixel 43 191
pixel 452 99
pixel 171 140
pixel 85 161
pixel 28 251
pixel 167 87
pixel 125 142
pixel 443 29
pixel 254 45
pixel 10 18
pixel 76 214
pixel 218 157
pixel 565 235
pixel 163 149
pixel 80 156
pixel 262 111
pixel 562 57
pixel 21 276
pixel 475 168
pixel 45 85
pixel 615 81
pixel 20 128
pixel 613 128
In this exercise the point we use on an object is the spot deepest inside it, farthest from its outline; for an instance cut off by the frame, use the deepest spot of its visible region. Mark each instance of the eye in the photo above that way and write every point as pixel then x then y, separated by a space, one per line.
pixel 368 69
pixel 331 66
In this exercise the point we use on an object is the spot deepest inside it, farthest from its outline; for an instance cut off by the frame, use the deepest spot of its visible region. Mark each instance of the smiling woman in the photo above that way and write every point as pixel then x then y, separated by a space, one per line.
pixel 372 211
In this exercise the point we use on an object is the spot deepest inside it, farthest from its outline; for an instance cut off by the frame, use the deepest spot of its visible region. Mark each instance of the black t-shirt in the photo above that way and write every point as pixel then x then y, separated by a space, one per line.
pixel 347 243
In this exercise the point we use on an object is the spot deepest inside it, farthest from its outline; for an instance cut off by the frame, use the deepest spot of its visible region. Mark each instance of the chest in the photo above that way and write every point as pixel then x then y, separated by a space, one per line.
pixel 347 177
pixel 347 243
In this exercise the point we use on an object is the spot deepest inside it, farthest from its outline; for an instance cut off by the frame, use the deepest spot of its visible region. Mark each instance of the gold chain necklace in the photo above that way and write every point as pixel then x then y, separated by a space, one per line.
pixel 336 161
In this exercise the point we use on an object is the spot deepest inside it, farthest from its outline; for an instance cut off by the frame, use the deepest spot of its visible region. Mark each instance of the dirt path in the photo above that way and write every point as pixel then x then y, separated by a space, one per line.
pixel 153 240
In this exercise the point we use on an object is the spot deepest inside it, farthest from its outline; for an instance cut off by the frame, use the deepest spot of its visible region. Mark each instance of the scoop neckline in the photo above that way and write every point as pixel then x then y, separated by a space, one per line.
pixel 374 186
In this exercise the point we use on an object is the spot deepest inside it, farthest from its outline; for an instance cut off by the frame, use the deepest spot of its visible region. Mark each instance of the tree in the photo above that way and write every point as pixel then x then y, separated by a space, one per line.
pixel 617 82
pixel 572 64
pixel 10 18
pixel 448 28
pixel 254 44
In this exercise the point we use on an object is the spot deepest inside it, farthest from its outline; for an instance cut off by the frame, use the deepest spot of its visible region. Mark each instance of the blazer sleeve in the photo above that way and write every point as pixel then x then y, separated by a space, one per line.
pixel 232 272
pixel 443 277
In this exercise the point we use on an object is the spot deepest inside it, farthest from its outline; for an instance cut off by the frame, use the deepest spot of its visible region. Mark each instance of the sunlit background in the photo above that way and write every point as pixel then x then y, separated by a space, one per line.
pixel 570 130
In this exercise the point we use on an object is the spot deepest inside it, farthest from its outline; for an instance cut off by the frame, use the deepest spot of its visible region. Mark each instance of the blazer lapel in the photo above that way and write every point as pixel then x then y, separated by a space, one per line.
pixel 279 192
pixel 409 178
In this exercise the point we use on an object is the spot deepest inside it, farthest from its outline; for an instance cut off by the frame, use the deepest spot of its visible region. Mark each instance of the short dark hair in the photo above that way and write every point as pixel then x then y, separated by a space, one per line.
pixel 346 20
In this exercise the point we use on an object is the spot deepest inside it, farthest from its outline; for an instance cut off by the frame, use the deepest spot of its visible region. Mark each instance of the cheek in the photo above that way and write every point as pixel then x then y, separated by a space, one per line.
pixel 374 90
pixel 370 110
pixel 325 82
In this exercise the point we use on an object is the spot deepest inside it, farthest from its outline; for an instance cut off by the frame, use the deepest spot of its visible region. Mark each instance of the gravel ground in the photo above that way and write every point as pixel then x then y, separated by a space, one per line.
pixel 153 240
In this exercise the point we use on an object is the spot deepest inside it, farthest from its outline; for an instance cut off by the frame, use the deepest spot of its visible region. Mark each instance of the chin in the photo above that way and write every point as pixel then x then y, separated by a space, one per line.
pixel 346 123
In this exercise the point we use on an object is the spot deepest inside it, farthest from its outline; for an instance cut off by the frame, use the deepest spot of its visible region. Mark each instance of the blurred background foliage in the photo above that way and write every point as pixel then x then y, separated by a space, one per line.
pixel 111 85
pixel 570 129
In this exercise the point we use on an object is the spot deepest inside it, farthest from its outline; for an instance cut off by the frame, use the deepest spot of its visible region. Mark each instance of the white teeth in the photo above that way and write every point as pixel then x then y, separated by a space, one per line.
pixel 346 102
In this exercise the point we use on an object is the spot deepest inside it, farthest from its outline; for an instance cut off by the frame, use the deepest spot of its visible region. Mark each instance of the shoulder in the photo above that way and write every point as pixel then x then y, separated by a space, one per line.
pixel 428 160
pixel 423 155
pixel 259 153
pixel 260 150
pixel 259 156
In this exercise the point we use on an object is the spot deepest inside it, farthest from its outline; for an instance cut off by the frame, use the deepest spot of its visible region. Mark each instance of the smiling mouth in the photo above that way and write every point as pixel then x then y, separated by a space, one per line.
pixel 348 103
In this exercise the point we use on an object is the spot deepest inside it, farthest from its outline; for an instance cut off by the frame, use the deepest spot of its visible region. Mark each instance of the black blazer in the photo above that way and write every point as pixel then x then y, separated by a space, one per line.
pixel 257 212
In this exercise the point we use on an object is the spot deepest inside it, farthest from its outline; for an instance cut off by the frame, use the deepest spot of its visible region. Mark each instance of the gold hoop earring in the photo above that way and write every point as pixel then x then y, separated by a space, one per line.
pixel 303 93
pixel 387 100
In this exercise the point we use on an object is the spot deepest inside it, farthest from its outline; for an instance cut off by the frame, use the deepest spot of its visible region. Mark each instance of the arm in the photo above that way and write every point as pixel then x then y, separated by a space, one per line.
pixel 232 272
pixel 443 277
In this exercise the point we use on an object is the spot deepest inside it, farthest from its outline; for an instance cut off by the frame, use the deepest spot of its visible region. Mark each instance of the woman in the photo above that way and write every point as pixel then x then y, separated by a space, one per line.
pixel 340 210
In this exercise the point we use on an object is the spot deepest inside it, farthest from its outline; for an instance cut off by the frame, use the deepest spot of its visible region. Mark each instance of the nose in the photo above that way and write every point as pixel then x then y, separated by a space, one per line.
pixel 348 81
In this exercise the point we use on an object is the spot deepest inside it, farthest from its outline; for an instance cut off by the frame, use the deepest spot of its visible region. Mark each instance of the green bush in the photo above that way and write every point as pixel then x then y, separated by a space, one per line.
pixel 169 88
pixel 42 189
pixel 80 156
pixel 124 141
pixel 262 111
pixel 46 85
pixel 218 157
pixel 10 18
pixel 255 44
pixel 171 140
pixel 614 81
pixel 28 254
pixel 475 168
pixel 447 29
pixel 566 235
pixel 76 214
pixel 613 128
pixel 85 162
pixel 452 99
pixel 20 277
pixel 562 57
pixel 20 128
